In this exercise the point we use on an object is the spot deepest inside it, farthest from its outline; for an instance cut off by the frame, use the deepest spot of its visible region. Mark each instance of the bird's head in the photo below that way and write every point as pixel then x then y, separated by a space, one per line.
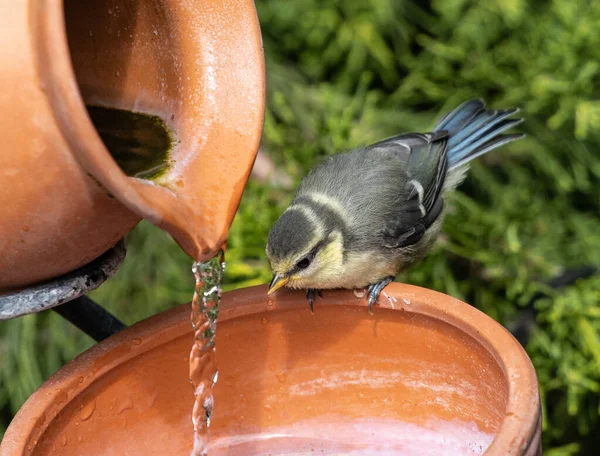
pixel 303 251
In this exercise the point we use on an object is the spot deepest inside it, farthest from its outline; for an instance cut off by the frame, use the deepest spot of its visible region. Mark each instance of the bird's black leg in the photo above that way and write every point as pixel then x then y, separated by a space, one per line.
pixel 310 295
pixel 375 290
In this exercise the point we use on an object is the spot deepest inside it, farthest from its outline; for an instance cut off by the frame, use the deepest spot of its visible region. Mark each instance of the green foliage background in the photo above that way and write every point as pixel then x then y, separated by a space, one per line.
pixel 344 73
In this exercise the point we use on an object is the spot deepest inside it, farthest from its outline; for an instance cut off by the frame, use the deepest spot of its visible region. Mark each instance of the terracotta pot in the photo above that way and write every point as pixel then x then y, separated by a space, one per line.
pixel 197 65
pixel 433 376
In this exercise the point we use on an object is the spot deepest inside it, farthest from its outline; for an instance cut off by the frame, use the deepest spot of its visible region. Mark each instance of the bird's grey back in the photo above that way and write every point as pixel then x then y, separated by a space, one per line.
pixel 367 185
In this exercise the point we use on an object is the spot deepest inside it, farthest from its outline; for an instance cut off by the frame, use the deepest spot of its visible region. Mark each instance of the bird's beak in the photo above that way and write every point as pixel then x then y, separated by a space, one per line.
pixel 278 281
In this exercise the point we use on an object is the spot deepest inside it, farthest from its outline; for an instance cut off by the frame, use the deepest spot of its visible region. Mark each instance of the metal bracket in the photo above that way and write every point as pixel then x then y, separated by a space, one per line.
pixel 65 294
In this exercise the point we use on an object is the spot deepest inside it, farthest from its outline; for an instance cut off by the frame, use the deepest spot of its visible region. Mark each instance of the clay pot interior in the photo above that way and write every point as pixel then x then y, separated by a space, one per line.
pixel 120 55
pixel 176 93
pixel 404 381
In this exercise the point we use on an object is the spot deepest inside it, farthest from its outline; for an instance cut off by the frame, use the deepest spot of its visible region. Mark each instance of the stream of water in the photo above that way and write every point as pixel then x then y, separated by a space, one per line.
pixel 203 363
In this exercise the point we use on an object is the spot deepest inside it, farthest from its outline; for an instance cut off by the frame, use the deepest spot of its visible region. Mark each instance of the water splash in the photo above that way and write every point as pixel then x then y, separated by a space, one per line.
pixel 203 363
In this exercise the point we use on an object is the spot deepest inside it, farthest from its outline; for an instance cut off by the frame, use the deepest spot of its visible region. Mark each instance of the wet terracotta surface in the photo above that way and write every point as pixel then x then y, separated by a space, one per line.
pixel 433 374
pixel 197 65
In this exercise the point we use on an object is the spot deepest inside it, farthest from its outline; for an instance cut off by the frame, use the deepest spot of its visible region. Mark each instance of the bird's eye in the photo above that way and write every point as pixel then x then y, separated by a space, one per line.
pixel 303 263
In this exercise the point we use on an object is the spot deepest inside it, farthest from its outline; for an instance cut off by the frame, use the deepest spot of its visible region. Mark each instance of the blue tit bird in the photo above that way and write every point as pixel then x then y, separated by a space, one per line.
pixel 360 217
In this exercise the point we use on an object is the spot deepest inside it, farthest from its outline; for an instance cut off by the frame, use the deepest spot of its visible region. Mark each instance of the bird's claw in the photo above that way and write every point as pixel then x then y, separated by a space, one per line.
pixel 310 295
pixel 375 290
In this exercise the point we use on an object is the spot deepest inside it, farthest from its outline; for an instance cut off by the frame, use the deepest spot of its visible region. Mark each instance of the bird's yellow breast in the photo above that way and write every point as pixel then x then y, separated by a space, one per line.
pixel 358 270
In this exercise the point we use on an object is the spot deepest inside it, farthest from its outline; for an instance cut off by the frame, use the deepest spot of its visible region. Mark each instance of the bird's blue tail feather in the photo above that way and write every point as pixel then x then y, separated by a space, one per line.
pixel 474 130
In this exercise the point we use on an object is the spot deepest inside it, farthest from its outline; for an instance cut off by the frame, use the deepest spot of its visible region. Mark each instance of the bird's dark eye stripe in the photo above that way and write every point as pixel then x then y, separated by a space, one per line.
pixel 308 259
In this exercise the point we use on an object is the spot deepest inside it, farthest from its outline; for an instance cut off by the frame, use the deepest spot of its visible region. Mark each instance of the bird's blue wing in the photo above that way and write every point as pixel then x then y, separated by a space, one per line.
pixel 426 162
pixel 474 130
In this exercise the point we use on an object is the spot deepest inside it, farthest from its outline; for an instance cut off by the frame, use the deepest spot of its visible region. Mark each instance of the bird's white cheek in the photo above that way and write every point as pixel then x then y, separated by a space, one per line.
pixel 326 271
pixel 326 276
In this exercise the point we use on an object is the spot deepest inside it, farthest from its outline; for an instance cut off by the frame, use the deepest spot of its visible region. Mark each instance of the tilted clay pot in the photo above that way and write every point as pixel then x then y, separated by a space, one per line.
pixel 433 376
pixel 197 65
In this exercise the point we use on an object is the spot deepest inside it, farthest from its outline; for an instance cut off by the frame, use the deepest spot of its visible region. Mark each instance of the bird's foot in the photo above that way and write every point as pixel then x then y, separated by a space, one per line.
pixel 375 290
pixel 310 295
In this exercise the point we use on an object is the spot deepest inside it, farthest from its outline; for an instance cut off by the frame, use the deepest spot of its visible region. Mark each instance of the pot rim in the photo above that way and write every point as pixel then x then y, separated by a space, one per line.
pixel 518 434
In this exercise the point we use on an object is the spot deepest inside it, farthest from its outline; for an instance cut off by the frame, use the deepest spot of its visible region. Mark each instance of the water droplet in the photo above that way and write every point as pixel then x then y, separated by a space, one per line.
pixel 270 302
pixel 264 320
pixel 62 397
pixel 390 299
pixel 80 380
pixel 136 341
pixel 268 407
pixel 63 439
pixel 152 399
pixel 281 377
pixel 125 404
pixel 155 33
pixel 359 293
pixel 25 227
pixel 87 410
pixel 406 301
